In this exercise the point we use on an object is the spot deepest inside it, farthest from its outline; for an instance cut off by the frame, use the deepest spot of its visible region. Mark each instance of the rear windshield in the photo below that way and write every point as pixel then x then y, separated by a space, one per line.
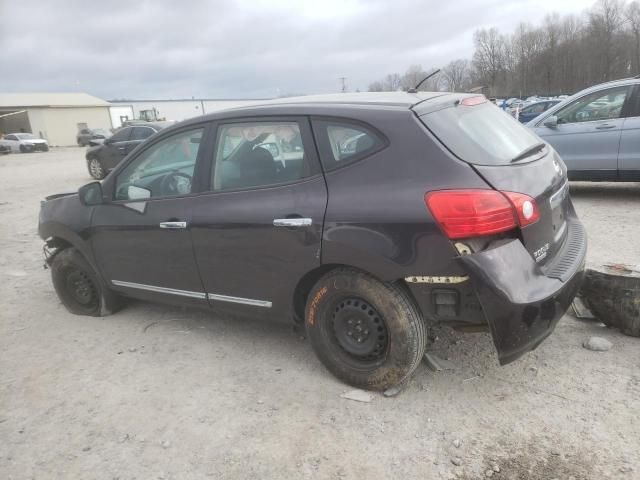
pixel 480 134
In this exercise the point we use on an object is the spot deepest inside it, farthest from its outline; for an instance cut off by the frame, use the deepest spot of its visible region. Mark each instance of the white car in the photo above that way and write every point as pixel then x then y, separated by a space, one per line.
pixel 24 142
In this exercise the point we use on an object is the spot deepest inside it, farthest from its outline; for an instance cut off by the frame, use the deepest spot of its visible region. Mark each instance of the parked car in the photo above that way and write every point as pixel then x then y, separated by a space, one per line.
pixel 531 111
pixel 596 131
pixel 86 135
pixel 4 149
pixel 24 143
pixel 445 210
pixel 103 157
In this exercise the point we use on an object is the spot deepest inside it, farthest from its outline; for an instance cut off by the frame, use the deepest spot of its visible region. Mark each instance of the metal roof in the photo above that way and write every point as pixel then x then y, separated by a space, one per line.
pixel 50 100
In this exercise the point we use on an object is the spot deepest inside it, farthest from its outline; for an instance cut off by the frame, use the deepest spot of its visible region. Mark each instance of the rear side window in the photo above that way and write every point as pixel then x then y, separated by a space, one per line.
pixel 140 133
pixel 341 142
pixel 259 154
pixel 481 134
pixel 121 135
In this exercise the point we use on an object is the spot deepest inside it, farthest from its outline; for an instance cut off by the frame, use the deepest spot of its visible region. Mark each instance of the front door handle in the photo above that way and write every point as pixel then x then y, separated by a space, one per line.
pixel 173 225
pixel 292 222
pixel 606 126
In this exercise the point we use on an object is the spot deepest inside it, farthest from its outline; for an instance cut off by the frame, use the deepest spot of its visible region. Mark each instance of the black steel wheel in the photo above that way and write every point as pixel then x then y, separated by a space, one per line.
pixel 368 333
pixel 79 288
pixel 359 331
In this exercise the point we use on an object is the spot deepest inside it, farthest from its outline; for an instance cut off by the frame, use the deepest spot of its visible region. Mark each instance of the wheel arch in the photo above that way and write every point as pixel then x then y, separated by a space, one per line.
pixel 60 237
pixel 306 283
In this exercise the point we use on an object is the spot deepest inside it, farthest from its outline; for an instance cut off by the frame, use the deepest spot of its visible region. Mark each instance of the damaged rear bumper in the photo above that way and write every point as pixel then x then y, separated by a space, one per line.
pixel 521 302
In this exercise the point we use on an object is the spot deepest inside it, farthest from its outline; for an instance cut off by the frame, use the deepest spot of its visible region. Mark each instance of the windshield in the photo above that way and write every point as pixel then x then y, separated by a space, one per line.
pixel 480 134
pixel 25 136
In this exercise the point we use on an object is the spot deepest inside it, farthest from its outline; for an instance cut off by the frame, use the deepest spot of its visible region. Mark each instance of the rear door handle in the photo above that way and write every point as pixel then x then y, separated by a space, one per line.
pixel 606 126
pixel 292 222
pixel 173 225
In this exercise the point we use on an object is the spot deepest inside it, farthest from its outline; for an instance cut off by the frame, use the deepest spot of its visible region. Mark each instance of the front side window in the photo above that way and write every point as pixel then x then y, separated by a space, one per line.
pixel 602 105
pixel 163 170
pixel 255 154
pixel 121 135
pixel 342 142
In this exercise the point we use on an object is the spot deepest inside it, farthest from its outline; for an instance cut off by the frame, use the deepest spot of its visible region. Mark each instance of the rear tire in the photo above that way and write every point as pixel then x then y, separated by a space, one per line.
pixel 79 288
pixel 23 149
pixel 367 333
pixel 96 170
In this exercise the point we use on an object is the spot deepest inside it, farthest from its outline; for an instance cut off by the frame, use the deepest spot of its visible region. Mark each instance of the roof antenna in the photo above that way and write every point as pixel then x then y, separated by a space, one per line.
pixel 415 89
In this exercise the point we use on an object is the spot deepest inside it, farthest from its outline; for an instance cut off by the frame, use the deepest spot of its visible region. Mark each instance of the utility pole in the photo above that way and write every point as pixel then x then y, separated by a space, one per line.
pixel 343 81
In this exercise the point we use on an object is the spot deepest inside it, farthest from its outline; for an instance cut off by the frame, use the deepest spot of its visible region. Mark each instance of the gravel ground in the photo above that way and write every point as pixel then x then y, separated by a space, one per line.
pixel 160 392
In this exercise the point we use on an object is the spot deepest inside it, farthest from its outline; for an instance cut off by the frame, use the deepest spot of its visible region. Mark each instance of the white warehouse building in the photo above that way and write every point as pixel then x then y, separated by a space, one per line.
pixel 56 117
pixel 123 110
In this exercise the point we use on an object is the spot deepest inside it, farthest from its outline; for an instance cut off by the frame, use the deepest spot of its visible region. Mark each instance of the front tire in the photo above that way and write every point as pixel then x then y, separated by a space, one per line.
pixel 367 333
pixel 79 288
pixel 96 170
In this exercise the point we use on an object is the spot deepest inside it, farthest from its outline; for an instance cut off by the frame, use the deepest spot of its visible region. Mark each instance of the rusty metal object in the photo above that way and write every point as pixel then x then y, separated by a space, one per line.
pixel 612 293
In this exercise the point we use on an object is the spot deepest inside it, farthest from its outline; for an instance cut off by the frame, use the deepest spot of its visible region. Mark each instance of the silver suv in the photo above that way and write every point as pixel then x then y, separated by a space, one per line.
pixel 597 131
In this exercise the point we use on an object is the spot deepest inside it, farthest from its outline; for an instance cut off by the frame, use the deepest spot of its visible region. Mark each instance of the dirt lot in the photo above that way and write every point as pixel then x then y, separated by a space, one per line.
pixel 156 392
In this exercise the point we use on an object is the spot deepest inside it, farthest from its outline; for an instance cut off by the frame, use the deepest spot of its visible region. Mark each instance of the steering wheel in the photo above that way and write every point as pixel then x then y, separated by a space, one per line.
pixel 176 183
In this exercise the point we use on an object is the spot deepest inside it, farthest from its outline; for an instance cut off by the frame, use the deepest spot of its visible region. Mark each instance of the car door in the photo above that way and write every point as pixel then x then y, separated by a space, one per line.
pixel 115 148
pixel 629 153
pixel 258 230
pixel 587 134
pixel 141 236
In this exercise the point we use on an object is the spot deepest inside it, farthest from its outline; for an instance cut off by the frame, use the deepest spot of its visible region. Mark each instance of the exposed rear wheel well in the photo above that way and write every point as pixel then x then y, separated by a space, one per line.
pixel 311 278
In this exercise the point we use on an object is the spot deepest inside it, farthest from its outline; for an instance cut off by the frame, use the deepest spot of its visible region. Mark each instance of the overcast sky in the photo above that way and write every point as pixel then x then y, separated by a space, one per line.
pixel 239 49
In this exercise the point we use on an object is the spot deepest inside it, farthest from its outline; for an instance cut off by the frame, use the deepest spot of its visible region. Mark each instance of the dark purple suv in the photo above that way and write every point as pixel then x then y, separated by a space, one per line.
pixel 367 217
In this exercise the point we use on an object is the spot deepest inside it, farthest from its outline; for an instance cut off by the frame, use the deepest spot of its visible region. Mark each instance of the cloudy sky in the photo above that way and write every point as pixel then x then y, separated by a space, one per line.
pixel 239 49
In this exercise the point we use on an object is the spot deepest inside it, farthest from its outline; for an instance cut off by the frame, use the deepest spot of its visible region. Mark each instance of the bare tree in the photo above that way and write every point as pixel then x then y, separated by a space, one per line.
pixel 489 55
pixel 457 75
pixel 392 82
pixel 563 54
pixel 632 14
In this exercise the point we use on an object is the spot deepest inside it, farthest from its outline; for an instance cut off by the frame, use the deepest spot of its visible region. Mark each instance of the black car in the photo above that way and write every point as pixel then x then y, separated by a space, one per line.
pixel 367 217
pixel 104 156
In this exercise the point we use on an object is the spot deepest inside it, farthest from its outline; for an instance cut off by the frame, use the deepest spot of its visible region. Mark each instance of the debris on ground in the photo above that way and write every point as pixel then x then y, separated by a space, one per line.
pixel 580 310
pixel 393 391
pixel 358 396
pixel 438 364
pixel 457 461
pixel 612 293
pixel 597 344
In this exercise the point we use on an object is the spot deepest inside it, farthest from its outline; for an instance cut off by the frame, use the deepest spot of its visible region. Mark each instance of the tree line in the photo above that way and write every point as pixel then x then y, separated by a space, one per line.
pixel 564 54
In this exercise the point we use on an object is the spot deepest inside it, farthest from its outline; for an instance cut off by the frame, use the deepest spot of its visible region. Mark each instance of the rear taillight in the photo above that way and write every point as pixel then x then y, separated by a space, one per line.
pixel 525 206
pixel 475 213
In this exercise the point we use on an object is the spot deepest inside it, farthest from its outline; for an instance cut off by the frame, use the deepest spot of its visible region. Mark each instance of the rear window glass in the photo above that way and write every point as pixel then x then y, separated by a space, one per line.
pixel 480 134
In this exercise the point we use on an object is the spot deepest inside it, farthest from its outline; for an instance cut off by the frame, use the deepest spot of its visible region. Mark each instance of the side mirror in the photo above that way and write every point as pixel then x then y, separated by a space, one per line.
pixel 91 194
pixel 107 141
pixel 551 122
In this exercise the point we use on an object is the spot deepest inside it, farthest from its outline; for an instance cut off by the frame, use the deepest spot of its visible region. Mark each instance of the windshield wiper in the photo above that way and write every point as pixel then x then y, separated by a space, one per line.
pixel 528 152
